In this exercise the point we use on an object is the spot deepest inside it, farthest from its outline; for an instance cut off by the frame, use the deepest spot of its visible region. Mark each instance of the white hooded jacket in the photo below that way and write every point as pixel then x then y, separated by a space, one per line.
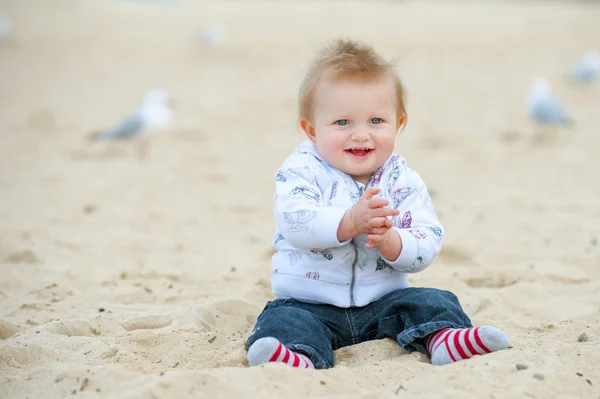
pixel 311 198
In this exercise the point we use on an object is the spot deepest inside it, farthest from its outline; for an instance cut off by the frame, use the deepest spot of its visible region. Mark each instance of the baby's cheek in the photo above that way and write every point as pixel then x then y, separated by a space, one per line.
pixel 331 151
pixel 333 145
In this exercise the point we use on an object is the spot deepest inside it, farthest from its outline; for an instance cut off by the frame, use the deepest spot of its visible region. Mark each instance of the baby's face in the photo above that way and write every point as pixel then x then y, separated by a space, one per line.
pixel 355 125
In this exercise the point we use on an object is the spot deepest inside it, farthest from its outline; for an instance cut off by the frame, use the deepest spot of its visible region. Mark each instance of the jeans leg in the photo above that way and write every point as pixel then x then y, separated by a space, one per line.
pixel 409 315
pixel 298 329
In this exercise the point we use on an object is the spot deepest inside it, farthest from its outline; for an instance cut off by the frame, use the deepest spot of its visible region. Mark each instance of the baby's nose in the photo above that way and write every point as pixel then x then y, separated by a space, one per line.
pixel 360 135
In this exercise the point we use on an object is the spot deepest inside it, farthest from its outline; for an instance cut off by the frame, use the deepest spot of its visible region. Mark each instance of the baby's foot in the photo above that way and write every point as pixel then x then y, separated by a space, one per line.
pixel 451 344
pixel 269 349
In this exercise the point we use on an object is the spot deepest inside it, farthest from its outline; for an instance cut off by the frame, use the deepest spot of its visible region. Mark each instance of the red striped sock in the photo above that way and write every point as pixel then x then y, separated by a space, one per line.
pixel 269 349
pixel 451 344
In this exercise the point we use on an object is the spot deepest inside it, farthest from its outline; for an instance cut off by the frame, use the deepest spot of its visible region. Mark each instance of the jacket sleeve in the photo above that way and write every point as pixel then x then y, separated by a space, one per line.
pixel 301 213
pixel 418 225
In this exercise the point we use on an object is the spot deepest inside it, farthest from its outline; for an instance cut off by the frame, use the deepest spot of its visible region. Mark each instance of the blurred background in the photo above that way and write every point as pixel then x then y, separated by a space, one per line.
pixel 179 223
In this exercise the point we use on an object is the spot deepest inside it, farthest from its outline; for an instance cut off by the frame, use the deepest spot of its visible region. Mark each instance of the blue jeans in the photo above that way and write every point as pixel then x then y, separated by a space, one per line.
pixel 408 315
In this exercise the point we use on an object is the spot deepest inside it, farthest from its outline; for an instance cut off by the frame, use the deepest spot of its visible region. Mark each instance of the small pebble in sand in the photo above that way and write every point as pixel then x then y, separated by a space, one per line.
pixel 89 209
pixel 521 366
pixel 84 384
pixel 583 338
pixel 539 376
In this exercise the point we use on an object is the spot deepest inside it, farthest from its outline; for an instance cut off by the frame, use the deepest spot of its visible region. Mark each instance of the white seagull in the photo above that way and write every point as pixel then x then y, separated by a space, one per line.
pixel 544 108
pixel 211 34
pixel 5 26
pixel 153 116
pixel 588 68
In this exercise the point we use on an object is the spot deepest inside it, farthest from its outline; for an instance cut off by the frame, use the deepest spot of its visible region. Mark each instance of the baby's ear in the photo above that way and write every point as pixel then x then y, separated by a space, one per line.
pixel 401 123
pixel 309 129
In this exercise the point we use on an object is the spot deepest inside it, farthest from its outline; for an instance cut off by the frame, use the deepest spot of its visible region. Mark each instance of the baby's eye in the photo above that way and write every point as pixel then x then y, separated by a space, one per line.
pixel 376 121
pixel 342 122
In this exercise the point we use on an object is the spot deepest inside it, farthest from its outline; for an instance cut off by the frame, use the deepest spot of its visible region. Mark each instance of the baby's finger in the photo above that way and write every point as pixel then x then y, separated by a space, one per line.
pixel 384 222
pixel 378 203
pixel 370 192
pixel 378 230
pixel 385 212
pixel 373 240
pixel 377 222
pixel 370 244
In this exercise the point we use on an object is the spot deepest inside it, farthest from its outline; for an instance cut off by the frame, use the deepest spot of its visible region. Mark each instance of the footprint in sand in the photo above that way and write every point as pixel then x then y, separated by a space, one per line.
pixel 25 256
pixel 146 322
pixel 17 355
pixel 494 281
pixel 8 329
pixel 72 328
pixel 205 318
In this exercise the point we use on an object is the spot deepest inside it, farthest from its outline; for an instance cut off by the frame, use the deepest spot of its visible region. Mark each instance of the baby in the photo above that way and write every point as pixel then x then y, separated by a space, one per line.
pixel 353 220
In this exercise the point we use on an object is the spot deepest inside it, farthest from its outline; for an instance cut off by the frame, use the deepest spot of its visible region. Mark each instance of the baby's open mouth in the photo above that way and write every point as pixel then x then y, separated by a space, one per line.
pixel 359 151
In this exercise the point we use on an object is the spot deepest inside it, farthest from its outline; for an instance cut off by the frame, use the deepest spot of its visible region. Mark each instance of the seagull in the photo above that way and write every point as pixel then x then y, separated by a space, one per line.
pixel 588 68
pixel 544 108
pixel 154 115
pixel 211 34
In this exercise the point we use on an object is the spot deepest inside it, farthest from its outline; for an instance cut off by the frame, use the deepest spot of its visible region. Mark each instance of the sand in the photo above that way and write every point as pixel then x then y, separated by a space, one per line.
pixel 129 278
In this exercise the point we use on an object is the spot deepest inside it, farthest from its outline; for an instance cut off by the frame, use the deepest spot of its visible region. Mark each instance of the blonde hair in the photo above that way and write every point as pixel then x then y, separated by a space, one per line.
pixel 346 59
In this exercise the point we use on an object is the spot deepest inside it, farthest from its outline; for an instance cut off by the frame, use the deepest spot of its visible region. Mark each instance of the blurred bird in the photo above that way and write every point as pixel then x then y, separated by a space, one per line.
pixel 211 34
pixel 588 68
pixel 5 26
pixel 154 115
pixel 544 108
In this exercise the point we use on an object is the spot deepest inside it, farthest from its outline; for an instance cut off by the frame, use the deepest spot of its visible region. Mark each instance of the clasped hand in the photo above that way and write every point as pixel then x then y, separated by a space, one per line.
pixel 370 216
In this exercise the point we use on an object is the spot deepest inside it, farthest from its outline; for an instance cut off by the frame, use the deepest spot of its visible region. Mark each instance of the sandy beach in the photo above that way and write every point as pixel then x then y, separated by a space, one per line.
pixel 127 278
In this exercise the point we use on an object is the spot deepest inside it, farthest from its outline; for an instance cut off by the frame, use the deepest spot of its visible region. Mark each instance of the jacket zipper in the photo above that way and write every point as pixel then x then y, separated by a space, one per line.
pixel 353 280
